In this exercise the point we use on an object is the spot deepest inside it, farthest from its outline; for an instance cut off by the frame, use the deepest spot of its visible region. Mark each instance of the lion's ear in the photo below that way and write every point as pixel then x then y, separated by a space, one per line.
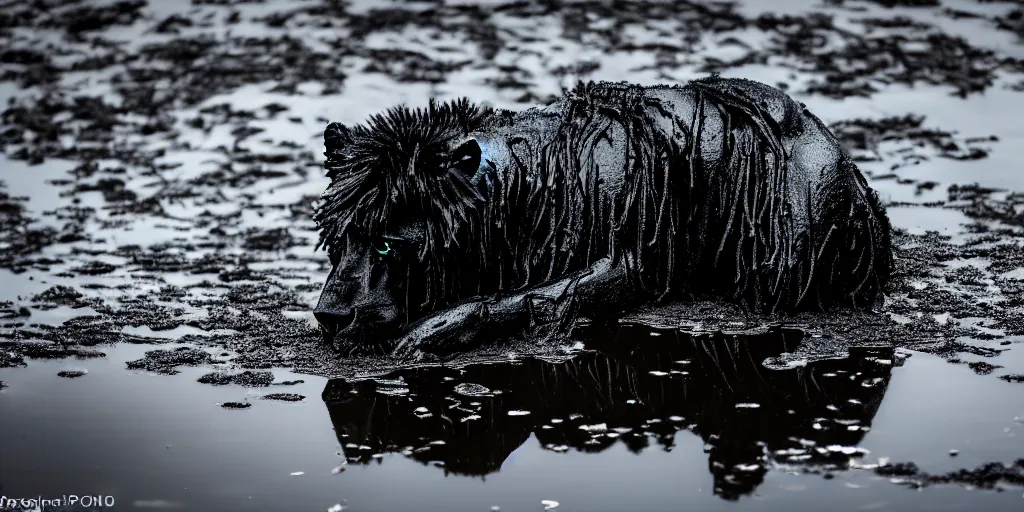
pixel 466 158
pixel 336 137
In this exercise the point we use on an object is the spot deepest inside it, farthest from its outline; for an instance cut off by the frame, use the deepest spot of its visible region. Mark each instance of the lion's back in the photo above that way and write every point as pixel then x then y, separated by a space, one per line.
pixel 763 153
pixel 720 186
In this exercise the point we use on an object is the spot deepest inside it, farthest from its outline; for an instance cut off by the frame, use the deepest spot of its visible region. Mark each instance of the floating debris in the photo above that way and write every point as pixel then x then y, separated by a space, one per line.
pixel 249 379
pixel 284 397
pixel 165 361
pixel 518 413
pixel 470 389
pixel 983 368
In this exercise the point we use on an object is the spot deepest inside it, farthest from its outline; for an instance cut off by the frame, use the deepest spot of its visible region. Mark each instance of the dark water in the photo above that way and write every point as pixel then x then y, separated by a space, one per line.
pixel 193 226
pixel 674 422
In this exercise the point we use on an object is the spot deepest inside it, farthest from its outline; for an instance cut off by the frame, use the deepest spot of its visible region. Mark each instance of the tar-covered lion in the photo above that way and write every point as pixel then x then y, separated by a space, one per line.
pixel 456 224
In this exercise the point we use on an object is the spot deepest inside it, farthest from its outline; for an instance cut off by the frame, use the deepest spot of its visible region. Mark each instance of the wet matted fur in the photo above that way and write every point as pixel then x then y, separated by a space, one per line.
pixel 613 197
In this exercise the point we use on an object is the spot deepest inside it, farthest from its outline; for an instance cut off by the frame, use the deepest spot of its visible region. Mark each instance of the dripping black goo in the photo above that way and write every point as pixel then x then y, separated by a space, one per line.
pixel 456 223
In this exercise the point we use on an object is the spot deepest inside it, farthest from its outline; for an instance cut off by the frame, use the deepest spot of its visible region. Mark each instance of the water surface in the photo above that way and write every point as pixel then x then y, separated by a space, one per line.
pixel 190 226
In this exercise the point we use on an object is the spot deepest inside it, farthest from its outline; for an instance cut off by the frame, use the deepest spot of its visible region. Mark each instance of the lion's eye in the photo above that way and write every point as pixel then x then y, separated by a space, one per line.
pixel 382 247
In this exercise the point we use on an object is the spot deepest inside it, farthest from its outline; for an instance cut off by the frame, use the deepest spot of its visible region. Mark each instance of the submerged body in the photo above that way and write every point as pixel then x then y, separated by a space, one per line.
pixel 454 220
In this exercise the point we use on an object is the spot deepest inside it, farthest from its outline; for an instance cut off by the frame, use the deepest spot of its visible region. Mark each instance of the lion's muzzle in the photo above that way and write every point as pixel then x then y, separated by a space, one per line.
pixel 333 321
pixel 362 329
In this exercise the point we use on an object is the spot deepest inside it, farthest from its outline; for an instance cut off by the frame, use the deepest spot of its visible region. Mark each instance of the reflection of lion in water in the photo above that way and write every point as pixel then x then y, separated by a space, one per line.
pixel 453 220
pixel 626 391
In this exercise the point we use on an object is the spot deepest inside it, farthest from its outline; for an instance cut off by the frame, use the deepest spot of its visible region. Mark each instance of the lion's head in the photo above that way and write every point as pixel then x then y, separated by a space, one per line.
pixel 402 214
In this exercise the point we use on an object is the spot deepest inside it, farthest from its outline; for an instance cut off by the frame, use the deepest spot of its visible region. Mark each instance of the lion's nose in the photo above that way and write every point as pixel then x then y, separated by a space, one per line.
pixel 334 320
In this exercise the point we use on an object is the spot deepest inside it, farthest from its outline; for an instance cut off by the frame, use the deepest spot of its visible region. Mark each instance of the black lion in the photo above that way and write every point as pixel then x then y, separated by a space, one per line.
pixel 456 223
